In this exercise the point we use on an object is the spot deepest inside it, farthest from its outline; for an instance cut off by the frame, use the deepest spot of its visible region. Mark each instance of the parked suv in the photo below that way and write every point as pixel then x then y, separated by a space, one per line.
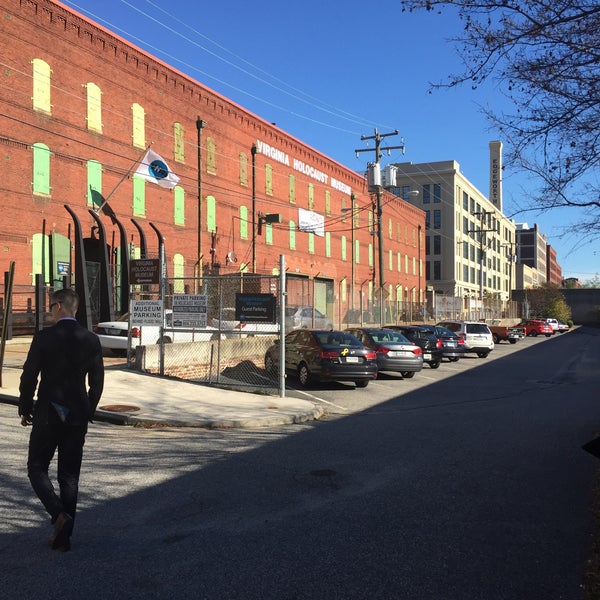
pixel 478 337
pixel 535 327
pixel 301 317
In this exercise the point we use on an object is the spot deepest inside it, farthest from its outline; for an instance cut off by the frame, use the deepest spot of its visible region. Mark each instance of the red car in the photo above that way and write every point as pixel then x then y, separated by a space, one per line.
pixel 535 327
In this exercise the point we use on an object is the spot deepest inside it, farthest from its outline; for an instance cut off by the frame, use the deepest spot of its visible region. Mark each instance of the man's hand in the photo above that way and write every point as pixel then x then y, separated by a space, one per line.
pixel 26 420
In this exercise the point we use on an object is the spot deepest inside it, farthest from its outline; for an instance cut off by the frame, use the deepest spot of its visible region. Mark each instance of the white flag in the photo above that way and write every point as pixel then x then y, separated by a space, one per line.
pixel 153 168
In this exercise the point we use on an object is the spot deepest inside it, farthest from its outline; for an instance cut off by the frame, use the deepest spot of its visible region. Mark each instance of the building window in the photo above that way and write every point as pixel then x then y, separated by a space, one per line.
pixel 427 245
pixel 311 196
pixel 178 274
pixel 390 229
pixel 211 213
pixel 427 270
pixel 399 262
pixel 269 234
pixel 94 179
pixel 41 169
pixel 437 219
pixel 390 260
pixel 243 222
pixel 139 125
pixel 139 196
pixel 371 257
pixel 344 248
pixel 243 169
pixel 41 86
pixel 426 194
pixel 357 252
pixel 292 189
pixel 465 273
pixel 292 235
pixel 211 156
pixel 465 201
pixel 179 205
pixel 328 244
pixel 437 244
pixel 437 270
pixel 437 193
pixel 178 142
pixel 94 107
pixel 327 202
pixel 311 243
pixel 268 180
pixel 427 219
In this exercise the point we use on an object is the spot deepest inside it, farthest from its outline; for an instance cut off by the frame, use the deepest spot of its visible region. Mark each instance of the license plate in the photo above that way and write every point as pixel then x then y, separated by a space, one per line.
pixel 394 354
pixel 426 356
pixel 351 359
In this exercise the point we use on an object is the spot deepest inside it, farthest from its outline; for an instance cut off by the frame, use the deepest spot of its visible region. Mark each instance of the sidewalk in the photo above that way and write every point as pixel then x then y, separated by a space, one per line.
pixel 134 398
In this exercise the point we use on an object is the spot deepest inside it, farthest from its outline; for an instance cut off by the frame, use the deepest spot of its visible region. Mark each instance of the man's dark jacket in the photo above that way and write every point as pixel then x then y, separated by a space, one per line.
pixel 64 354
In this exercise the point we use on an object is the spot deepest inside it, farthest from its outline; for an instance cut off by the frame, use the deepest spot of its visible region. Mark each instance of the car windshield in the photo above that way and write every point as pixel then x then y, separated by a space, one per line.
pixel 336 338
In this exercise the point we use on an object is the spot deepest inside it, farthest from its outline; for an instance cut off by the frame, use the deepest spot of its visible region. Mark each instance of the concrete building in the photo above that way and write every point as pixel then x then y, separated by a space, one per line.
pixel 531 251
pixel 469 244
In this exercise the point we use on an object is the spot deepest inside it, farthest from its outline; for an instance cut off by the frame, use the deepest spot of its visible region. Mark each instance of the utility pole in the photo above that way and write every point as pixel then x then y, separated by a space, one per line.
pixel 378 137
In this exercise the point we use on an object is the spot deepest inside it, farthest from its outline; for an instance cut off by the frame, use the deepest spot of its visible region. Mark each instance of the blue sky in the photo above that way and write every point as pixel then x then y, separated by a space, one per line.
pixel 329 72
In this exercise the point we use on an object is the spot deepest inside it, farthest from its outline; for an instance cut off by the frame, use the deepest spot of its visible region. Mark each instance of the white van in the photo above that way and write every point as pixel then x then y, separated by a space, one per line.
pixel 478 337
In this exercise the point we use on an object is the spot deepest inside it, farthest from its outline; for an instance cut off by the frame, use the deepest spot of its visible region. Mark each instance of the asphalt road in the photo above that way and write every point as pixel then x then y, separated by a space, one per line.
pixel 470 486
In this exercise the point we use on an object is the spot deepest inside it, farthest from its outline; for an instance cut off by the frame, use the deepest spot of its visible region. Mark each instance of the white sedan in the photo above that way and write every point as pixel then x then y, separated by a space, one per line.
pixel 114 335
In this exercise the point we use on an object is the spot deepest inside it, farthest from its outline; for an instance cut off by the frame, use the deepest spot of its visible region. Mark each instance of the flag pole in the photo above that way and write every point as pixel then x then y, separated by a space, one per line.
pixel 137 160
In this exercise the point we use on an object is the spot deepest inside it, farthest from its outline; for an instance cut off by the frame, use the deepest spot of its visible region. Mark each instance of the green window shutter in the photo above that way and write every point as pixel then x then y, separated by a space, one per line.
pixel 243 222
pixel 344 250
pixel 269 234
pixel 268 180
pixel 357 252
pixel 211 156
pixel 139 196
pixel 292 189
pixel 178 143
pixel 41 169
pixel 41 86
pixel 327 202
pixel 243 169
pixel 328 244
pixel 211 213
pixel 94 179
pixel 292 235
pixel 139 126
pixel 390 260
pixel 370 255
pixel 311 196
pixel 94 107
pixel 36 255
pixel 179 205
pixel 178 274
pixel 311 243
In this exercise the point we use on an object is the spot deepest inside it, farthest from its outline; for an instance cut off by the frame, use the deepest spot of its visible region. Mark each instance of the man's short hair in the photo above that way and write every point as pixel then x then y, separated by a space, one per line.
pixel 68 297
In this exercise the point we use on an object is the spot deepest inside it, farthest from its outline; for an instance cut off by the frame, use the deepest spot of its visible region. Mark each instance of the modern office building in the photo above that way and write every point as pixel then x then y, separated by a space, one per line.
pixel 532 251
pixel 470 245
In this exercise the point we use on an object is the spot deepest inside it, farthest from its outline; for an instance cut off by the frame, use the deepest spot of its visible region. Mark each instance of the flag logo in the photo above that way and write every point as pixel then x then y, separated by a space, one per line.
pixel 154 168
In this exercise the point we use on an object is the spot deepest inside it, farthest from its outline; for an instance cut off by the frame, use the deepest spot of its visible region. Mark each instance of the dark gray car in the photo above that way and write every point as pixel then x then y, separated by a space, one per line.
pixel 395 352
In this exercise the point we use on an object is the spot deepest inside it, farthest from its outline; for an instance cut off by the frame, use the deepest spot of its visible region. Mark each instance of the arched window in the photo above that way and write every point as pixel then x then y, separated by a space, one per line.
pixel 41 85
pixel 178 142
pixel 138 126
pixel 94 107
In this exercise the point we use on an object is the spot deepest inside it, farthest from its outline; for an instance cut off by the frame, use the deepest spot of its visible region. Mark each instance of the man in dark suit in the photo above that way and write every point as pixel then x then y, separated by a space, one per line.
pixel 65 354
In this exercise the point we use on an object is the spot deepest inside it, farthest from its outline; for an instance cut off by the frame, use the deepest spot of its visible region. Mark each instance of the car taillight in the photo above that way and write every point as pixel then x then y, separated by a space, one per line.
pixel 96 329
pixel 329 354
pixel 370 355
pixel 418 351
pixel 439 343
pixel 462 336
pixel 381 350
pixel 460 341
pixel 135 332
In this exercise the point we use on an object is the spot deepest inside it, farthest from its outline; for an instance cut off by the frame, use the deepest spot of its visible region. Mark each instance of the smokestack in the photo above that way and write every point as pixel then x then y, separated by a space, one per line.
pixel 496 174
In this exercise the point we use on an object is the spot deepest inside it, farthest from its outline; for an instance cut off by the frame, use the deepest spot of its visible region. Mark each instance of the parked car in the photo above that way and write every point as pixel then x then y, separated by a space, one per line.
pixel 230 327
pixel 394 351
pixel 306 317
pixel 477 336
pixel 563 327
pixel 324 355
pixel 453 345
pixel 114 335
pixel 424 337
pixel 553 323
pixel 534 327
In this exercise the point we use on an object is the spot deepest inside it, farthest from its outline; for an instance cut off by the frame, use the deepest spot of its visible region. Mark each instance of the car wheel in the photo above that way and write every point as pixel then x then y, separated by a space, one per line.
pixel 548 334
pixel 407 374
pixel 269 364
pixel 362 383
pixel 453 358
pixel 533 333
pixel 496 338
pixel 482 354
pixel 512 341
pixel 304 375
pixel 435 364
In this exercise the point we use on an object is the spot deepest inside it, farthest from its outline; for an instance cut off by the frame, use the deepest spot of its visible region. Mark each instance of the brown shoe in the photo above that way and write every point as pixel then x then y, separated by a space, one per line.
pixel 61 538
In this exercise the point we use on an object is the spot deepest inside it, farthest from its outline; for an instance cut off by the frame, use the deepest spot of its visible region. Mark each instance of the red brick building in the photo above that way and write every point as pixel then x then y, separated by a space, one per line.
pixel 80 107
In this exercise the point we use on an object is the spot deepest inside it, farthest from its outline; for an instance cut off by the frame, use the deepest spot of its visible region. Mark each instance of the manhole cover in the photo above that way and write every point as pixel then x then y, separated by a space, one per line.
pixel 119 408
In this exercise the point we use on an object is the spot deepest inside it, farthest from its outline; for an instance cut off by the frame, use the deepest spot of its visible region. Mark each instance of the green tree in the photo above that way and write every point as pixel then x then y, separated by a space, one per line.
pixel 544 55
